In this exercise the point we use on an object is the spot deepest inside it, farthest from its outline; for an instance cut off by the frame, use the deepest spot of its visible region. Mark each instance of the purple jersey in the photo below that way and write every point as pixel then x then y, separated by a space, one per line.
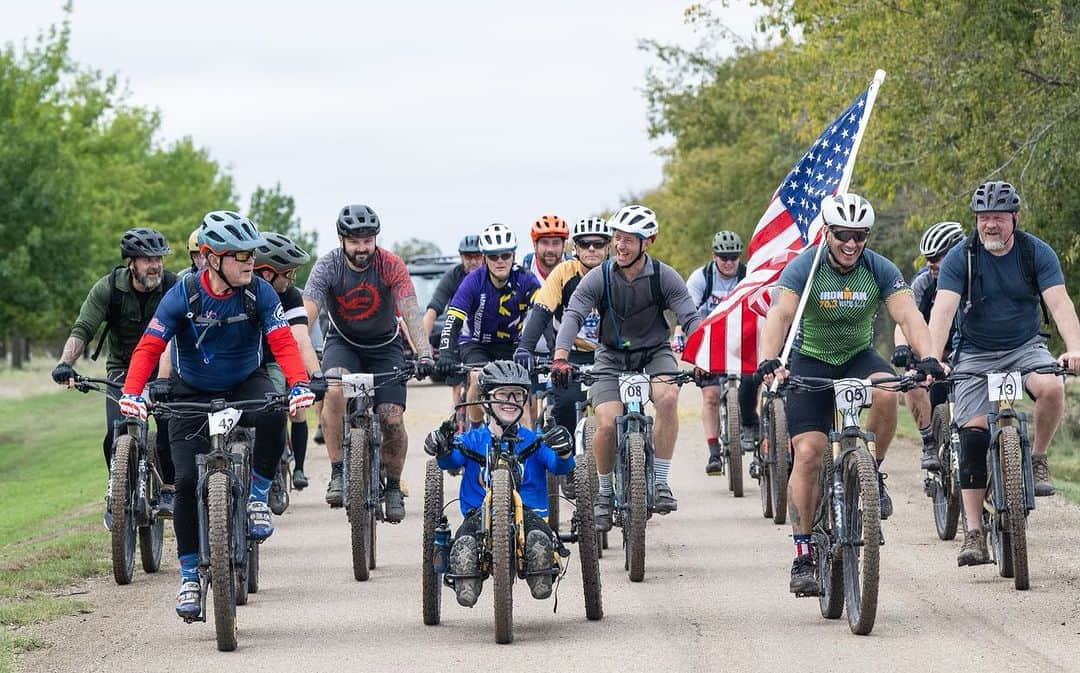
pixel 493 314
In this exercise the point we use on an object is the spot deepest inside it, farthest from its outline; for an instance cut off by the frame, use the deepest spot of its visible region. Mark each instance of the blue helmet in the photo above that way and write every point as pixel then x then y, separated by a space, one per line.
pixel 227 231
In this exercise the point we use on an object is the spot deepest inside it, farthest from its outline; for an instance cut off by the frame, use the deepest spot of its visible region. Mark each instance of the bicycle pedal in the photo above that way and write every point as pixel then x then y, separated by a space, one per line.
pixel 807 594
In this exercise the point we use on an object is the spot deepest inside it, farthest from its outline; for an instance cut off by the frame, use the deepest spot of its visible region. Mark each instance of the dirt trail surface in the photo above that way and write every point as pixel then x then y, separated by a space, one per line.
pixel 714 597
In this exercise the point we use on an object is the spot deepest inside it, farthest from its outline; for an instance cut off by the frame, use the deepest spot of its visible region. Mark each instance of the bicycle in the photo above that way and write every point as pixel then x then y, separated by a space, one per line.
pixel 846 535
pixel 228 559
pixel 1010 486
pixel 771 464
pixel 362 461
pixel 135 483
pixel 942 486
pixel 278 497
pixel 501 536
pixel 730 433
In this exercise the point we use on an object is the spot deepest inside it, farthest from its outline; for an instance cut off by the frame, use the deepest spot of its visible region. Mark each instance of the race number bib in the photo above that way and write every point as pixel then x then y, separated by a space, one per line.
pixel 355 385
pixel 634 388
pixel 1005 386
pixel 851 394
pixel 222 422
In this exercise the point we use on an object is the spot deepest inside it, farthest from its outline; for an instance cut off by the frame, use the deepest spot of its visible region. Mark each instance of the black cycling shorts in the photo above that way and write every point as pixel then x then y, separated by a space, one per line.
pixel 478 355
pixel 339 353
pixel 813 411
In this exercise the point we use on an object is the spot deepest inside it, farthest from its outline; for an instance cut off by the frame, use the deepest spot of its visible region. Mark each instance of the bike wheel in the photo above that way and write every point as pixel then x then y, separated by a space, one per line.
pixel 861 549
pixel 780 465
pixel 830 566
pixel 588 431
pixel 121 506
pixel 150 543
pixel 253 567
pixel 222 577
pixel 588 542
pixel 946 497
pixel 635 536
pixel 433 507
pixel 360 518
pixel 1012 468
pixel 553 502
pixel 504 544
pixel 732 429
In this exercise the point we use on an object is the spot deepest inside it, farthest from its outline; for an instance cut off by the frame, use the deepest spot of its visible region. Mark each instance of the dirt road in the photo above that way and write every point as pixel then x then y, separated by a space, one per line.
pixel 714 597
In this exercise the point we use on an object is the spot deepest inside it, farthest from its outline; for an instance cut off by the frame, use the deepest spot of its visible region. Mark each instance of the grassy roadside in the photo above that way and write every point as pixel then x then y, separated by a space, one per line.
pixel 50 510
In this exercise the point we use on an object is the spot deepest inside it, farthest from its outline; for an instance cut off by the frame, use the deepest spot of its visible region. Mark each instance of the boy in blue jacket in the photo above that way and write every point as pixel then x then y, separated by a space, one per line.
pixel 504 389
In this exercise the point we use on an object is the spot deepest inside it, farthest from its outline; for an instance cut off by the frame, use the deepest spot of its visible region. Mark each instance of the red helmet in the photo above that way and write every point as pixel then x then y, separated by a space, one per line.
pixel 549 225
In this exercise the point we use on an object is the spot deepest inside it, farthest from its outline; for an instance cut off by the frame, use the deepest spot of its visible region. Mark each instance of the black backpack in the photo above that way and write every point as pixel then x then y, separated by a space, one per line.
pixel 116 299
pixel 654 286
pixel 707 272
pixel 194 302
pixel 1026 246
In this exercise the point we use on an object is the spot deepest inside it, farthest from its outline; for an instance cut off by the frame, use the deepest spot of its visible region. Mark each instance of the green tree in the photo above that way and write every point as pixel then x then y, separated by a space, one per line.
pixel 273 210
pixel 414 247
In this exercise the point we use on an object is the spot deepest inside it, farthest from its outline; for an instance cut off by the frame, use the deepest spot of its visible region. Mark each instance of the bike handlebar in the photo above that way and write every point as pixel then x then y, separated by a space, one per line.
pixel 1056 369
pixel 904 382
pixel 272 402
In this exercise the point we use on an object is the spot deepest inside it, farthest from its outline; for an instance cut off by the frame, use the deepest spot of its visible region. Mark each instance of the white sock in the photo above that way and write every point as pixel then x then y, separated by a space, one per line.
pixel 661 467
pixel 605 483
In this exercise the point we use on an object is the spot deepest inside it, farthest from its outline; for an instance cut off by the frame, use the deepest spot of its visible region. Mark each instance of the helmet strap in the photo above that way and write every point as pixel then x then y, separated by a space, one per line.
pixel 218 273
pixel 640 254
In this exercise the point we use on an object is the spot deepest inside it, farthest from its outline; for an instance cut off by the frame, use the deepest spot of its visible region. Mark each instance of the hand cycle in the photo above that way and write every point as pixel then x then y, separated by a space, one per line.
pixel 846 536
pixel 634 479
pixel 584 431
pixel 228 559
pixel 1010 484
pixel 361 446
pixel 942 486
pixel 772 460
pixel 135 484
pixel 501 538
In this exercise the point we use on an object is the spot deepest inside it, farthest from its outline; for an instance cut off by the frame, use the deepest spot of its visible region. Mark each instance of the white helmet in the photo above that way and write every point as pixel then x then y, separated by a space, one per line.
pixel 497 238
pixel 847 210
pixel 939 238
pixel 590 226
pixel 637 220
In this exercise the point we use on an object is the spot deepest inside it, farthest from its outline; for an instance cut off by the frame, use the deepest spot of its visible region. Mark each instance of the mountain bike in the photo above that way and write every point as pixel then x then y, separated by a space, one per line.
pixel 731 433
pixel 228 559
pixel 846 535
pixel 362 461
pixel 771 464
pixel 135 483
pixel 942 486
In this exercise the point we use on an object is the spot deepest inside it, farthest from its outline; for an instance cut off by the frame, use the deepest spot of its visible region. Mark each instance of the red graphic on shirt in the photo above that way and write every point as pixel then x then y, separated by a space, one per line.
pixel 359 303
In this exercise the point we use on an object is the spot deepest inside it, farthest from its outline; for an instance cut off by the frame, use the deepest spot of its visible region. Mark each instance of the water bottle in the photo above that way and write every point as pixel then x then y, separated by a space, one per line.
pixel 441 561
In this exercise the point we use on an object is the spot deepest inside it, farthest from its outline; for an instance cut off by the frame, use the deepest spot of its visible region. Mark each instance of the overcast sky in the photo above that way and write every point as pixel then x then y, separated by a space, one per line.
pixel 442 116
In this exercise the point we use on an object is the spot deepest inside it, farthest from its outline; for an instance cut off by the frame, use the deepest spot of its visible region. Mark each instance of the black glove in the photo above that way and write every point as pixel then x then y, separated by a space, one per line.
pixel 700 375
pixel 62 372
pixel 425 366
pixel 448 362
pixel 159 390
pixel 902 356
pixel 767 367
pixel 437 443
pixel 523 358
pixel 561 371
pixel 560 441
pixel 317 385
pixel 929 367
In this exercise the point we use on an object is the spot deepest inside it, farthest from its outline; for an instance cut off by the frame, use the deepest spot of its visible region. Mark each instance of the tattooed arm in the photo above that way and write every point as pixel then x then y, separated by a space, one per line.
pixel 414 322
pixel 73 348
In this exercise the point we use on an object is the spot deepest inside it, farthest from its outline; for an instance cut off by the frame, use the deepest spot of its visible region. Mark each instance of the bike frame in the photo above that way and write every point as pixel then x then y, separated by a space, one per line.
pixel 360 413
pixel 634 390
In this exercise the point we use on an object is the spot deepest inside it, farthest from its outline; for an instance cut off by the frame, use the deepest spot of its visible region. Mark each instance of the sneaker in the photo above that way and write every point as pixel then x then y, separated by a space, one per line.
pixel 1043 485
pixel 665 501
pixel 973 552
pixel 569 490
pixel 319 439
pixel 884 501
pixel 715 465
pixel 336 489
pixel 464 560
pixel 602 512
pixel 930 459
pixel 804 581
pixel 189 600
pixel 299 479
pixel 749 438
pixel 260 525
pixel 394 504
pixel 538 558
pixel 107 517
pixel 166 501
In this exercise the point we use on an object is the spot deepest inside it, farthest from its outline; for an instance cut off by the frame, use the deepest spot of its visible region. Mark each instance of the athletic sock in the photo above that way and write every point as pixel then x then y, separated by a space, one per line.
pixel 802 543
pixel 260 487
pixel 927 435
pixel 661 467
pixel 298 437
pixel 393 484
pixel 714 444
pixel 604 484
pixel 336 468
pixel 189 568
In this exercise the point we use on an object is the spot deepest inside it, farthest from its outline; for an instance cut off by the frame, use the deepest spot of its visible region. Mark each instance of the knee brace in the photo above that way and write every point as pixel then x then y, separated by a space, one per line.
pixel 974 443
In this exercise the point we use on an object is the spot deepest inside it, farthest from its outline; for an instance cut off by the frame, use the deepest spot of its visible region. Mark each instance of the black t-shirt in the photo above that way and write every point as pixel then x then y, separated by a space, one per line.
pixel 292 302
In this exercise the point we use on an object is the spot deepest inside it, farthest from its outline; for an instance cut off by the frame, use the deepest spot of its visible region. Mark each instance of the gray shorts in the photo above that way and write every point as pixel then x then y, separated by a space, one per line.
pixel 609 364
pixel 972 398
pixel 277 376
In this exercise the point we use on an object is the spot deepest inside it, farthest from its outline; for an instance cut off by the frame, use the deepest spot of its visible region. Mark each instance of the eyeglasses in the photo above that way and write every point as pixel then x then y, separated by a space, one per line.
pixel 290 274
pixel 500 257
pixel 725 257
pixel 241 255
pixel 592 243
pixel 845 235
pixel 513 396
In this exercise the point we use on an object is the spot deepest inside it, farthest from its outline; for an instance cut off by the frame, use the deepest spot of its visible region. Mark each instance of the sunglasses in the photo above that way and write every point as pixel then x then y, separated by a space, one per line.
pixel 500 257
pixel 935 259
pixel 726 258
pixel 845 235
pixel 241 255
pixel 592 244
pixel 515 397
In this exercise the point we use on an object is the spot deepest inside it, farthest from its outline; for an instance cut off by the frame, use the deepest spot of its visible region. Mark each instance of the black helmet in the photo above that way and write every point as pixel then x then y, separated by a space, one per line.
pixel 995 197
pixel 278 252
pixel 470 243
pixel 358 220
pixel 503 373
pixel 143 243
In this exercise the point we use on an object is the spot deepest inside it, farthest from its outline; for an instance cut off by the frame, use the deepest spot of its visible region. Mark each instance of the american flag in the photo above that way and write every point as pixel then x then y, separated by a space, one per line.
pixel 791 221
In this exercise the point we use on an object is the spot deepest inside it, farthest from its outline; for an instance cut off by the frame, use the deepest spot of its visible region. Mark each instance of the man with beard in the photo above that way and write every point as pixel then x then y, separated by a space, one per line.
pixel 123 300
pixel 363 288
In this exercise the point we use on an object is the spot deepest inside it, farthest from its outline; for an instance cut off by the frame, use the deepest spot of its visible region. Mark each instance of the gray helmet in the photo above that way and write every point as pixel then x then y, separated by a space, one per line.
pixel 470 244
pixel 278 252
pixel 358 220
pixel 727 242
pixel 227 231
pixel 501 373
pixel 939 238
pixel 995 197
pixel 143 242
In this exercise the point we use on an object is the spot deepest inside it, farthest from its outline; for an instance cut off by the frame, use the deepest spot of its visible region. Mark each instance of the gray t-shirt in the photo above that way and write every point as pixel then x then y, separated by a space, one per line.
pixel 632 321
pixel 721 288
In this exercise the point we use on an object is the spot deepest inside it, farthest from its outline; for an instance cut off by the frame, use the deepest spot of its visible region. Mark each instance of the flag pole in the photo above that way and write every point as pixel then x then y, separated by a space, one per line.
pixel 845 180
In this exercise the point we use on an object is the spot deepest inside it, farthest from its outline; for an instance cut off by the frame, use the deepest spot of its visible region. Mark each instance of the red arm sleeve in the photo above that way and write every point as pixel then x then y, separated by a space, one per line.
pixel 143 361
pixel 283 346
